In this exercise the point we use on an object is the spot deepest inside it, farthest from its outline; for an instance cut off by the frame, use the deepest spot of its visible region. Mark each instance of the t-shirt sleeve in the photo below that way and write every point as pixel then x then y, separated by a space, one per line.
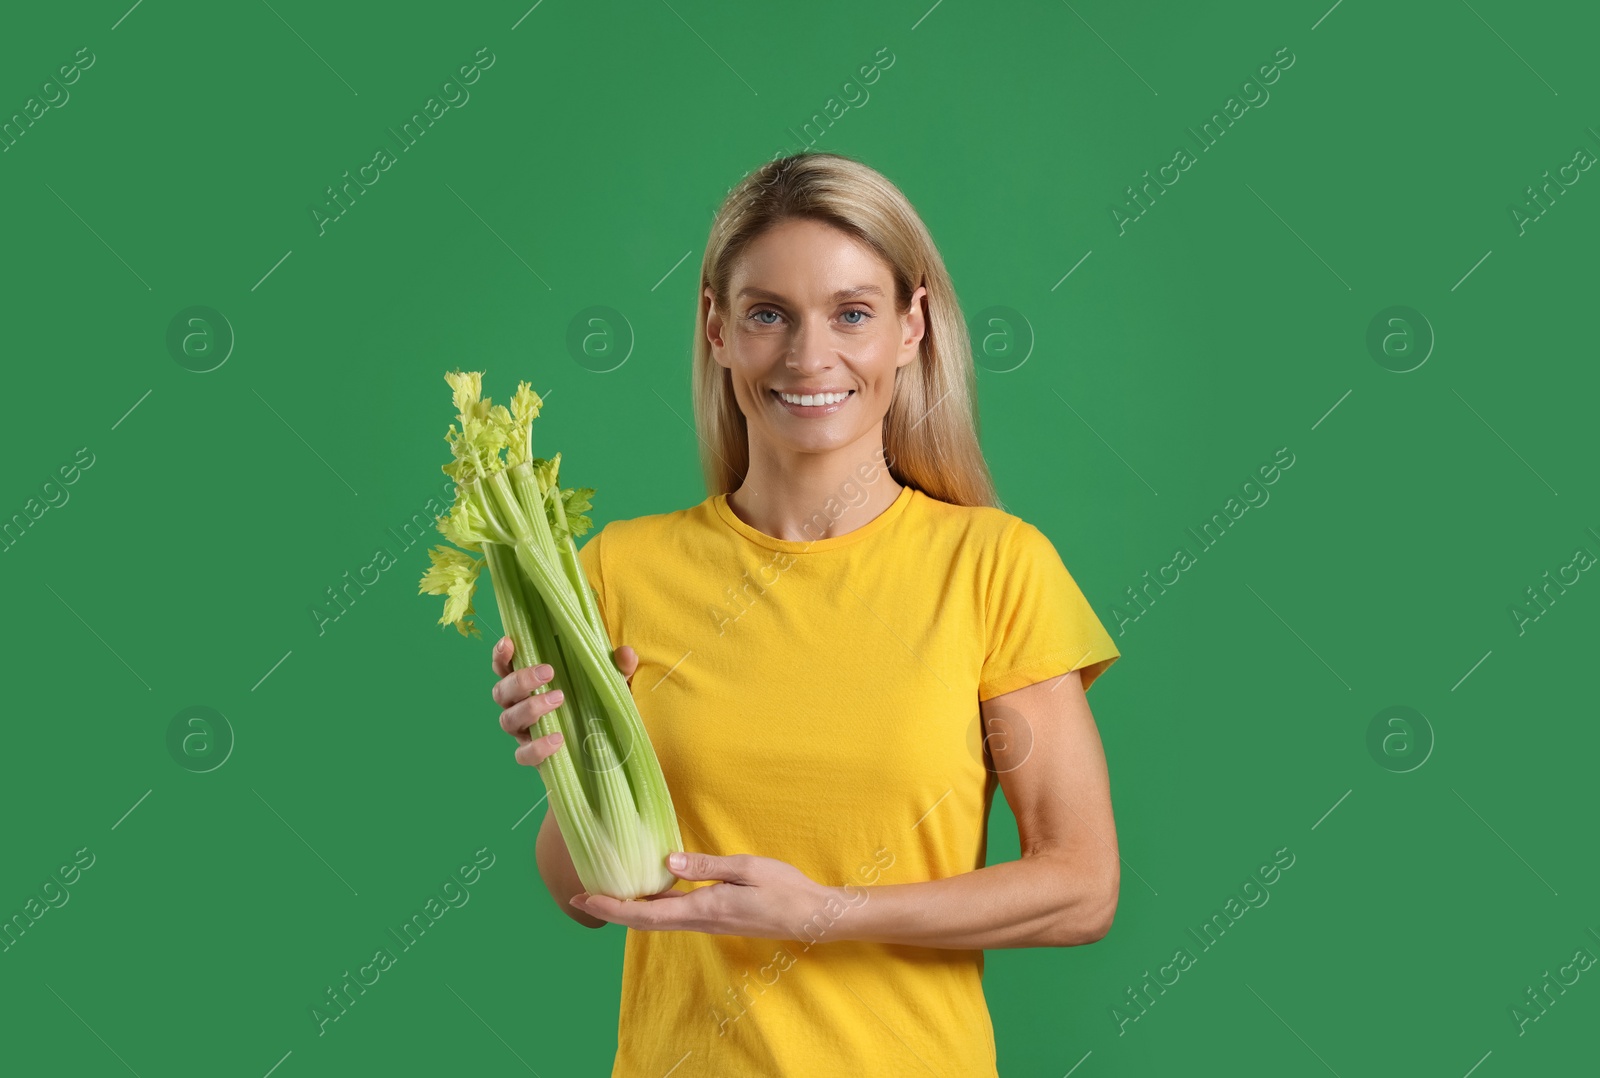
pixel 1038 624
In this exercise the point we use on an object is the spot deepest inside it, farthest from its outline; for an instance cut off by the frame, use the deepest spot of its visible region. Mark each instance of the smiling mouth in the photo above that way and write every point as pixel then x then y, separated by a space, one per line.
pixel 812 400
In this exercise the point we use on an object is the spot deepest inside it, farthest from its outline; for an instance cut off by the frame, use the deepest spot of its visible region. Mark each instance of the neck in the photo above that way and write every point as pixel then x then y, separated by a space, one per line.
pixel 804 497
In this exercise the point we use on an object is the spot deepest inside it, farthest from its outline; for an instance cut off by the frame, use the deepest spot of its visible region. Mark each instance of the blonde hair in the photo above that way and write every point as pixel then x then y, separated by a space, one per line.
pixel 931 429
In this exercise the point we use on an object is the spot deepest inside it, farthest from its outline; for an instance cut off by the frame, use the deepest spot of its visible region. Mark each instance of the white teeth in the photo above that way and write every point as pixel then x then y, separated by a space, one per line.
pixel 809 399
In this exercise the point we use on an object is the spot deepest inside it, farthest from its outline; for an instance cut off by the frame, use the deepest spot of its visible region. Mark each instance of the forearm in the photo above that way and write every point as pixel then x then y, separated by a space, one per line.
pixel 556 869
pixel 1042 900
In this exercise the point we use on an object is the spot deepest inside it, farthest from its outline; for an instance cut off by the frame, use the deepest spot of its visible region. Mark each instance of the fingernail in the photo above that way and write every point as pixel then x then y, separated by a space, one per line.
pixel 556 740
pixel 544 672
pixel 577 900
pixel 676 860
pixel 556 696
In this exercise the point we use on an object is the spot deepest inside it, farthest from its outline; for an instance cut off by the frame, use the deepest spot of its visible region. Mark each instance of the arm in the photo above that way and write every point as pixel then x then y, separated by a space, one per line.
pixel 1063 891
pixel 555 868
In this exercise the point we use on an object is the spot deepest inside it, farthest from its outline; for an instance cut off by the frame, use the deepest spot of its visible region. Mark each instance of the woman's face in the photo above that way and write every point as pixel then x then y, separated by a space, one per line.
pixel 812 339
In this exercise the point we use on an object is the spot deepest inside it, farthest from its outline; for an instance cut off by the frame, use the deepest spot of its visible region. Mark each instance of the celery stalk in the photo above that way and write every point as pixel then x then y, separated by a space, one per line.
pixel 568 799
pixel 611 804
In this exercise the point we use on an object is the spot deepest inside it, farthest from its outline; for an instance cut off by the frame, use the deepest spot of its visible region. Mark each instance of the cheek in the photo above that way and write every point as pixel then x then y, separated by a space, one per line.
pixel 878 364
pixel 884 350
pixel 746 377
pixel 755 355
pixel 743 394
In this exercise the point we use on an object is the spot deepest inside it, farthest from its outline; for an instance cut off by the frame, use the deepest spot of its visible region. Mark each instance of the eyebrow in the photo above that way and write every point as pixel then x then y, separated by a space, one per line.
pixel 843 293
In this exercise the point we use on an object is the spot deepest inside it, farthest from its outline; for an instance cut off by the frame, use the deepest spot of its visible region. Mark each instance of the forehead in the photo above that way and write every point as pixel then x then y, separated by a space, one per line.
pixel 809 259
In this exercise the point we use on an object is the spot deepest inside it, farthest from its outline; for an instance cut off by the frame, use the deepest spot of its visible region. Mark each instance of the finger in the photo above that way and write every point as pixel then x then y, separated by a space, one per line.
pixel 519 684
pixel 647 915
pixel 736 868
pixel 500 657
pixel 627 660
pixel 537 750
pixel 524 713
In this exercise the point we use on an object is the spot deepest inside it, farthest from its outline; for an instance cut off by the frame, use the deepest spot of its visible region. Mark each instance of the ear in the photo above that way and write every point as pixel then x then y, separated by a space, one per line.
pixel 915 326
pixel 716 329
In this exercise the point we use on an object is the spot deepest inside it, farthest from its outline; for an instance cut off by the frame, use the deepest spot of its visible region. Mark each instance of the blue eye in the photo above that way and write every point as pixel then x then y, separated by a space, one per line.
pixel 757 315
pixel 856 310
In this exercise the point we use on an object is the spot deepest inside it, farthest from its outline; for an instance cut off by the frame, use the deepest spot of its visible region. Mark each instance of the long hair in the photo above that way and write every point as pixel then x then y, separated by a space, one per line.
pixel 931 430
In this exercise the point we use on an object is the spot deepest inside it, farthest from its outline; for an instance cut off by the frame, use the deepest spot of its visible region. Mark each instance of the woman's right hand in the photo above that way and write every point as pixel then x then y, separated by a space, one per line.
pixel 522 708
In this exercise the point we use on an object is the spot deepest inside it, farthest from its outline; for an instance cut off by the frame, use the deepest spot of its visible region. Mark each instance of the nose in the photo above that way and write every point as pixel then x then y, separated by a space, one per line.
pixel 810 351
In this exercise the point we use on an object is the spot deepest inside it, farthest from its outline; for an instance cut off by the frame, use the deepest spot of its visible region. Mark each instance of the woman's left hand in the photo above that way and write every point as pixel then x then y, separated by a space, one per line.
pixel 755 896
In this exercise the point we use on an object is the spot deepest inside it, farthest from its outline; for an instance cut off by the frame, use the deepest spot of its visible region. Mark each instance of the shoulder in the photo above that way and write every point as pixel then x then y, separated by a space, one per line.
pixel 981 528
pixel 998 550
pixel 624 541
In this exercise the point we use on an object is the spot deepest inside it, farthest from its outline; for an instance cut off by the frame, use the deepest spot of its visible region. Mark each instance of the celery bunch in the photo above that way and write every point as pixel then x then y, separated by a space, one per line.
pixel 610 799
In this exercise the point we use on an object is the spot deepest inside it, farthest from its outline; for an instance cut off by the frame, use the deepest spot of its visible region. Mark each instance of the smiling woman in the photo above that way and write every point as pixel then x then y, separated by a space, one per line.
pixel 836 722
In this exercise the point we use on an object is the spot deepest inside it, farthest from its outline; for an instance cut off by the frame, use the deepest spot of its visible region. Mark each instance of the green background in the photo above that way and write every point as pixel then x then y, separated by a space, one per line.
pixel 365 764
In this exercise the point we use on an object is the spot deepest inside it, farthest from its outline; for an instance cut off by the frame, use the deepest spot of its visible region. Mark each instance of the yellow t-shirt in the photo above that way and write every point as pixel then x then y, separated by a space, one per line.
pixel 817 702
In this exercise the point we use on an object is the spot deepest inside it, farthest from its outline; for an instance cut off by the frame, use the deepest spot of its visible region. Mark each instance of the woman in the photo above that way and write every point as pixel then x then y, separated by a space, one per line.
pixel 839 656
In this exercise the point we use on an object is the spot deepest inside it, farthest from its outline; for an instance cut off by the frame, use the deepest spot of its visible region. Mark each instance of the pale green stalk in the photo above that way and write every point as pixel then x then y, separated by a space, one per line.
pixel 613 805
pixel 534 546
pixel 562 779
